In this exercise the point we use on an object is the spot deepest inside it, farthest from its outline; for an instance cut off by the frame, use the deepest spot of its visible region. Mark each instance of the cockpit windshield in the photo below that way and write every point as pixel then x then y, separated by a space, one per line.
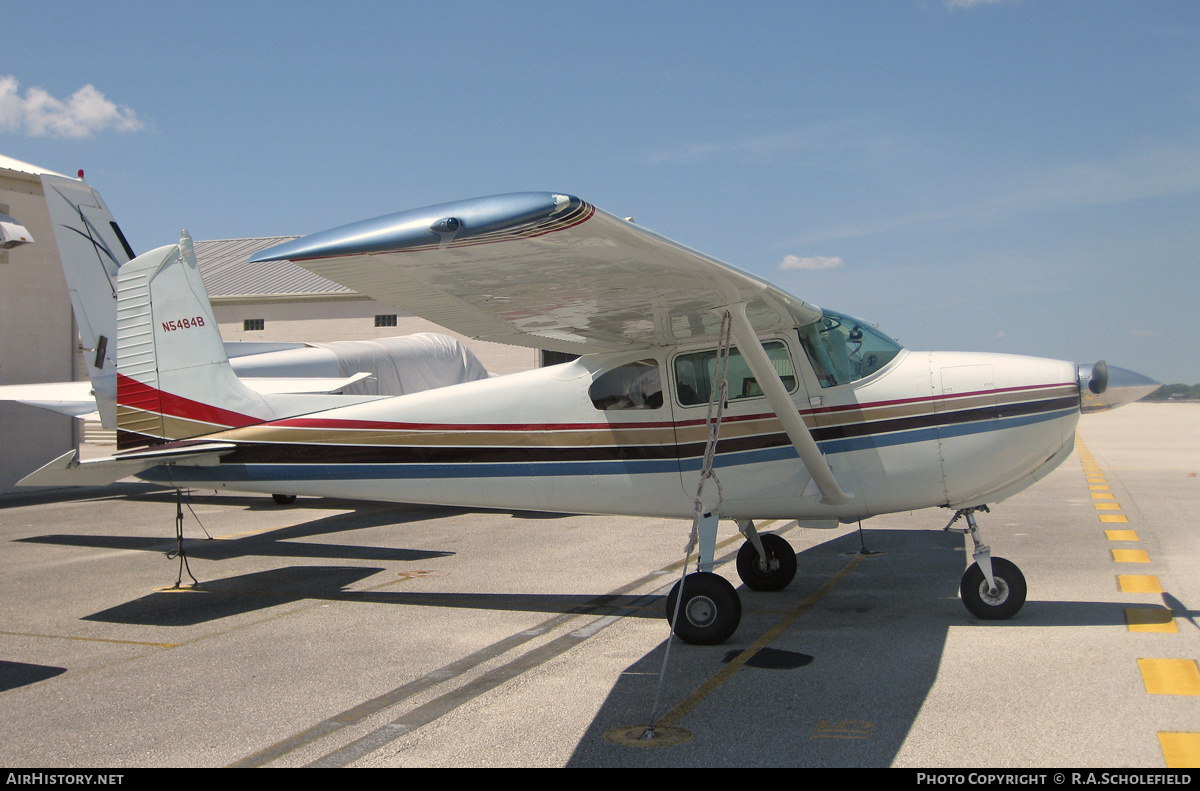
pixel 843 349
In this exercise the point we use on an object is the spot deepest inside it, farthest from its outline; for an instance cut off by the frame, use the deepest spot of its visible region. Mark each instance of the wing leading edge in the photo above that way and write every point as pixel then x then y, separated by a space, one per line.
pixel 544 270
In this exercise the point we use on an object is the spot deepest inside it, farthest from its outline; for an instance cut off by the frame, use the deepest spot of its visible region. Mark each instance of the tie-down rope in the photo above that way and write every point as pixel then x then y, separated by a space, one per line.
pixel 718 396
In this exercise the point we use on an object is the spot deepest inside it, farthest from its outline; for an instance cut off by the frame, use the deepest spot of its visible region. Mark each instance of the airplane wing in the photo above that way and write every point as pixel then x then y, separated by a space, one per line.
pixel 544 270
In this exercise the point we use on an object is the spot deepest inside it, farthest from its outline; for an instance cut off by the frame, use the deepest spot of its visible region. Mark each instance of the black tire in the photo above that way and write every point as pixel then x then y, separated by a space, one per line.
pixel 1011 591
pixel 709 612
pixel 781 564
pixel 284 499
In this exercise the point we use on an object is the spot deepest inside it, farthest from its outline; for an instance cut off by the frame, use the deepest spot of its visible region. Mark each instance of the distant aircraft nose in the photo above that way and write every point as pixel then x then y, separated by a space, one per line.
pixel 1103 386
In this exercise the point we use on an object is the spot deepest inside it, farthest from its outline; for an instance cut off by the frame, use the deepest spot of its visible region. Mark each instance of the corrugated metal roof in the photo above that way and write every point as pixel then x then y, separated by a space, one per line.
pixel 226 273
pixel 17 166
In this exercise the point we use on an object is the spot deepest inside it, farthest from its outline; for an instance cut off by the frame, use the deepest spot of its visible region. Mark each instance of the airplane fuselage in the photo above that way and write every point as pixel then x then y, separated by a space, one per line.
pixel 926 429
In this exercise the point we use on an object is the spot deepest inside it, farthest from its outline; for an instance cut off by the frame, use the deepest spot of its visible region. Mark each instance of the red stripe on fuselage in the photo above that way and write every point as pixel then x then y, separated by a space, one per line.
pixel 135 394
pixel 385 425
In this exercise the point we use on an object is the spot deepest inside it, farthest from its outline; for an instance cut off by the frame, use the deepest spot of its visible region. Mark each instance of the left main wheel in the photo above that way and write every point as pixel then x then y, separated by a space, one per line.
pixel 1005 602
pixel 709 609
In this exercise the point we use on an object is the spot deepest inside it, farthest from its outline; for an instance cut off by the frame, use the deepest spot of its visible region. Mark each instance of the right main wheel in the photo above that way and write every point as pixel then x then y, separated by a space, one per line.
pixel 775 572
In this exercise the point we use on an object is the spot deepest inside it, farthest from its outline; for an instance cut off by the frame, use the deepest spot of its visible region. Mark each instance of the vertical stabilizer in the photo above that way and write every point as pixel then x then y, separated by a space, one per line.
pixel 174 380
pixel 92 249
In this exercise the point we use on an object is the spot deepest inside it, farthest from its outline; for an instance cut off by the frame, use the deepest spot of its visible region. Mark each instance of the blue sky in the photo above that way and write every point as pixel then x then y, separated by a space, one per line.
pixel 1016 176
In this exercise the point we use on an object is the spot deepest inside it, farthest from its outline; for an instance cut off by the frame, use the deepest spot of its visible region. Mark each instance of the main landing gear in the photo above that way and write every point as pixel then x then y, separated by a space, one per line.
pixel 704 608
pixel 992 588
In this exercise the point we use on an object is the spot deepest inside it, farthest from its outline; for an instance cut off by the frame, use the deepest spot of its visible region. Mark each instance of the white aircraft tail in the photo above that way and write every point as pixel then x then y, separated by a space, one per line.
pixel 92 249
pixel 174 380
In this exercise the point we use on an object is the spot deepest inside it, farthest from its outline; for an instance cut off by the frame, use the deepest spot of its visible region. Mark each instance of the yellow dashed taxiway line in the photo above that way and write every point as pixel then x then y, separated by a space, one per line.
pixel 1182 750
pixel 1150 619
pixel 1170 676
pixel 1138 583
pixel 1130 556
pixel 1160 676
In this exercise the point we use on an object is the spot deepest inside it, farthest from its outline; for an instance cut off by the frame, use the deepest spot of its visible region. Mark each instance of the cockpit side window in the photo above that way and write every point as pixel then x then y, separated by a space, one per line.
pixel 843 349
pixel 695 374
pixel 631 386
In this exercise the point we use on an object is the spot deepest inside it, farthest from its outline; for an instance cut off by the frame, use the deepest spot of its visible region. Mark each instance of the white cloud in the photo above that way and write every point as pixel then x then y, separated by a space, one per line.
pixel 811 262
pixel 39 114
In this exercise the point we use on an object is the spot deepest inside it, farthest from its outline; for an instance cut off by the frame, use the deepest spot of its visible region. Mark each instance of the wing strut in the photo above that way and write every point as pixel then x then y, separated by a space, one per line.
pixel 777 396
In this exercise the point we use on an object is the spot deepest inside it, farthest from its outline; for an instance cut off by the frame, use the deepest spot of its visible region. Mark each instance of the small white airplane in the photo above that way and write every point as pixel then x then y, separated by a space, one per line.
pixel 688 365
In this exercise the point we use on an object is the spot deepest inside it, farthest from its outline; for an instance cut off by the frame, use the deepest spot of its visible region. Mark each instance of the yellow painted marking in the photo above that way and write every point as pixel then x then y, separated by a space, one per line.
pixel 708 687
pixel 1103 496
pixel 635 736
pixel 1130 555
pixel 1170 676
pixel 93 639
pixel 1121 535
pixel 1113 518
pixel 1103 488
pixel 846 729
pixel 1150 619
pixel 1097 479
pixel 1181 750
pixel 1107 506
pixel 1138 583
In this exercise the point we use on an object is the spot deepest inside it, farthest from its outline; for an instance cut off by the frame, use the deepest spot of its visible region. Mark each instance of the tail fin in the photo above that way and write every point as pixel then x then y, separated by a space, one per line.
pixel 173 378
pixel 92 248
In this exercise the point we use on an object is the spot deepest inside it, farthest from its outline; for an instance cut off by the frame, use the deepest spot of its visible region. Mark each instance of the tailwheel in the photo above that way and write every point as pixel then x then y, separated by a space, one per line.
pixel 709 611
pixel 771 573
pixel 994 605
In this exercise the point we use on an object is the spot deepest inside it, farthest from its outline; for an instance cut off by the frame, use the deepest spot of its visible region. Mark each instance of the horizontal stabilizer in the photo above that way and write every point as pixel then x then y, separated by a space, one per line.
pixel 66 398
pixel 309 384
pixel 68 470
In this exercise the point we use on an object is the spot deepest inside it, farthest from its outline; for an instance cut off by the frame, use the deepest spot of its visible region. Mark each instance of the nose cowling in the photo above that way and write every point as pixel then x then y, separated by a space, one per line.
pixel 1103 387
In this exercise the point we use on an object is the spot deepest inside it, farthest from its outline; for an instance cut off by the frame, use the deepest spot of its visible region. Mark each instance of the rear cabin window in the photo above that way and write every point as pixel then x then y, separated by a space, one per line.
pixel 843 349
pixel 696 373
pixel 631 386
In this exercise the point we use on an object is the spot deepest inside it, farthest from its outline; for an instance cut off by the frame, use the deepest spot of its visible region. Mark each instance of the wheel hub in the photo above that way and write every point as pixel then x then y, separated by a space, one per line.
pixel 999 597
pixel 768 566
pixel 701 611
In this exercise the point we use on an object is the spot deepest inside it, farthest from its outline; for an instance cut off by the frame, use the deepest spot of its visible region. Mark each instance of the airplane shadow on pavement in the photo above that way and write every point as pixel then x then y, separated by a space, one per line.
pixel 847 678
